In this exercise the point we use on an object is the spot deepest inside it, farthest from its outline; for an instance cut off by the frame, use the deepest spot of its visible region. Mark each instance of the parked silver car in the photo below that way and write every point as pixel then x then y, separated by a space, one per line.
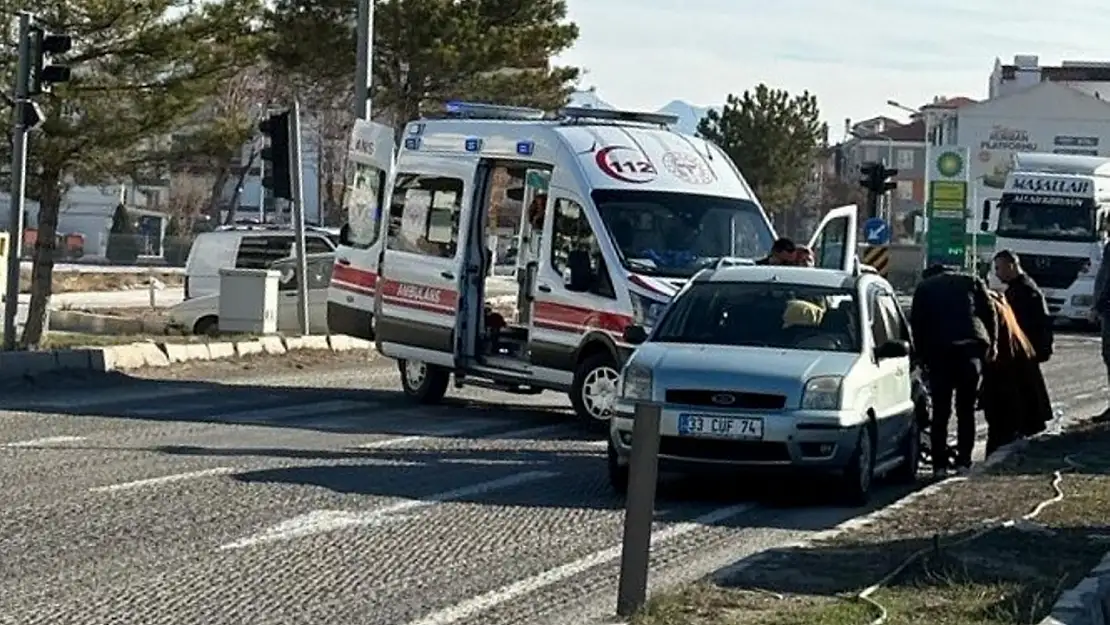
pixel 776 369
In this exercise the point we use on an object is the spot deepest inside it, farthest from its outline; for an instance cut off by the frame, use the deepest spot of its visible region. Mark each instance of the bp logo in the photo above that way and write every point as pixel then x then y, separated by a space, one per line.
pixel 950 164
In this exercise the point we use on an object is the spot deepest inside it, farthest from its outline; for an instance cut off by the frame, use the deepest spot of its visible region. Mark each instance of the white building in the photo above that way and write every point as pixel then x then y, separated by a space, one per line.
pixel 1092 77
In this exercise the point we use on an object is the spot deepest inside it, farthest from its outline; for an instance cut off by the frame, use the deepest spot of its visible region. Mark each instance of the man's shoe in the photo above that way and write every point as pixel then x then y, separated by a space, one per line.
pixel 940 474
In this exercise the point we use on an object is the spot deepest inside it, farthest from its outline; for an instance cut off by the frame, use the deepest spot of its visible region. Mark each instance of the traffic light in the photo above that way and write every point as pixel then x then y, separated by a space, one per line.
pixel 43 71
pixel 877 178
pixel 276 155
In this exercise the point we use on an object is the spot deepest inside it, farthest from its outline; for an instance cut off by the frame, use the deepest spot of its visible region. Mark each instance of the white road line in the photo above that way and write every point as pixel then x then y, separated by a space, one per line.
pixel 477 605
pixel 165 479
pixel 320 521
pixel 43 442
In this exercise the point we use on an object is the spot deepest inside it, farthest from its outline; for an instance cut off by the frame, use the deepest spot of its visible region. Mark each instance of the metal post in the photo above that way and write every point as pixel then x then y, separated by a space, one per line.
pixel 364 58
pixel 19 178
pixel 296 173
pixel 261 191
pixel 643 472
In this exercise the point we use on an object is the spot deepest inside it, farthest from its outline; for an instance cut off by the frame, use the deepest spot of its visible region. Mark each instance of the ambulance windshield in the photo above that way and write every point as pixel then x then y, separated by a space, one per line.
pixel 677 234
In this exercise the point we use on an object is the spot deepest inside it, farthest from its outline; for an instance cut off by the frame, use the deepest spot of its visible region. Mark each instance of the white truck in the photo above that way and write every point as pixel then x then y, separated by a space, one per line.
pixel 1053 214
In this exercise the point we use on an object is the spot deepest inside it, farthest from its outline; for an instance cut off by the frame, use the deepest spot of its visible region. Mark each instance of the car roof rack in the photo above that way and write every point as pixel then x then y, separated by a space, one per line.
pixel 481 110
pixel 574 114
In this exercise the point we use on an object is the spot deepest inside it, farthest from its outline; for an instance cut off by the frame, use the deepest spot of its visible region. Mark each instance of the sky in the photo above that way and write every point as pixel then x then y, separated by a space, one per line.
pixel 854 56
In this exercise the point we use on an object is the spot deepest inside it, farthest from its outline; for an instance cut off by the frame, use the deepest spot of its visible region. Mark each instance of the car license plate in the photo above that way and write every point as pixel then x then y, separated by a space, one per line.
pixel 708 426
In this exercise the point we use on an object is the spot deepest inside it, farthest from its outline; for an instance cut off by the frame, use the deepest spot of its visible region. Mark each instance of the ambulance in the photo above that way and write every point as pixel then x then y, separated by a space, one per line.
pixel 1053 213
pixel 607 214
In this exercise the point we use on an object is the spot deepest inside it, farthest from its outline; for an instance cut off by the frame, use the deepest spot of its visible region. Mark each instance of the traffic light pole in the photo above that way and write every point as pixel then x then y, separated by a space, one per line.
pixel 296 176
pixel 364 57
pixel 19 178
pixel 873 202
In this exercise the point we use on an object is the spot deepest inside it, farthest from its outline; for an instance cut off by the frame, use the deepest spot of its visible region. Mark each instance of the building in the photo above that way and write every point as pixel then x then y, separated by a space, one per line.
pixel 1045 116
pixel 1091 77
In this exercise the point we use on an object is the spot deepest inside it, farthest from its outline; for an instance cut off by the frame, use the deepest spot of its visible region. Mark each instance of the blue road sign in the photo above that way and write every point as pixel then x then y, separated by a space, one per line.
pixel 876 231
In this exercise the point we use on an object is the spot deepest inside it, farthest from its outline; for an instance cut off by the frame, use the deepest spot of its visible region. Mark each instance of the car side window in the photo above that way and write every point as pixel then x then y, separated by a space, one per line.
pixel 319 274
pixel 896 324
pixel 260 251
pixel 572 234
pixel 879 332
pixel 424 215
pixel 317 245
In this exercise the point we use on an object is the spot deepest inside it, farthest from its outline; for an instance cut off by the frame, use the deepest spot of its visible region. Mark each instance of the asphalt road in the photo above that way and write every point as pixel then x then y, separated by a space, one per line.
pixel 318 496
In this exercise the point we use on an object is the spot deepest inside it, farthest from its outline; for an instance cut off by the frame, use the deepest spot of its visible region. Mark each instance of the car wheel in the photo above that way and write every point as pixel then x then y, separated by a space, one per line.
pixel 618 474
pixel 860 472
pixel 594 390
pixel 427 384
pixel 207 326
pixel 906 473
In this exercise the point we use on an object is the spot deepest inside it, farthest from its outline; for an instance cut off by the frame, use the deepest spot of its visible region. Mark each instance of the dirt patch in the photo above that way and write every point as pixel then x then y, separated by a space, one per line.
pixel 963 574
pixel 82 282
pixel 67 340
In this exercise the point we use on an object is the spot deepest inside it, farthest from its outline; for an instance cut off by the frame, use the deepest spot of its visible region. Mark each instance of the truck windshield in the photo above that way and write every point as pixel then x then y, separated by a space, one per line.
pixel 1068 219
pixel 676 234
pixel 778 315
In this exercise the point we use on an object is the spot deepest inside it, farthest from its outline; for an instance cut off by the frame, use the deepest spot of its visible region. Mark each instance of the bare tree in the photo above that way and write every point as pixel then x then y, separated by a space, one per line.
pixel 332 122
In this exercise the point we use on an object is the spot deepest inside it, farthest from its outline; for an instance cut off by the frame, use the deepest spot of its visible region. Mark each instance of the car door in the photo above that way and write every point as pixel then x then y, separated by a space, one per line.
pixel 894 406
pixel 418 276
pixel 319 276
pixel 354 279
pixel 835 239
pixel 287 295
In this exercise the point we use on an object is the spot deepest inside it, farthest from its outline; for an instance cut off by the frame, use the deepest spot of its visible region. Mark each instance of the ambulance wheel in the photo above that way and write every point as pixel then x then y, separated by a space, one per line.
pixel 594 389
pixel 425 383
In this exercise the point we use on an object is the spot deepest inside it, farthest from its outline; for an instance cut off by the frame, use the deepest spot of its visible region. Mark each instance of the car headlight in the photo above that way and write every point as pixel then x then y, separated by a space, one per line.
pixel 636 383
pixel 646 311
pixel 1082 301
pixel 822 393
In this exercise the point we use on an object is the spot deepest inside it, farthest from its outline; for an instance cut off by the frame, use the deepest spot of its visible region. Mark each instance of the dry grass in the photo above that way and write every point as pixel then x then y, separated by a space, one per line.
pixel 963 577
pixel 81 282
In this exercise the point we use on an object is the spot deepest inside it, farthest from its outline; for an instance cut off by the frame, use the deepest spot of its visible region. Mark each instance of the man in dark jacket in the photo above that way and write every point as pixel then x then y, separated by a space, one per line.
pixel 954 328
pixel 782 253
pixel 1100 312
pixel 1027 301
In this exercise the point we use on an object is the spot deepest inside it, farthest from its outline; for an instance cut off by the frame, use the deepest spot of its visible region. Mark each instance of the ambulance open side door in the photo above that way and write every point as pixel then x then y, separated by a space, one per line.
pixel 370 157
pixel 834 241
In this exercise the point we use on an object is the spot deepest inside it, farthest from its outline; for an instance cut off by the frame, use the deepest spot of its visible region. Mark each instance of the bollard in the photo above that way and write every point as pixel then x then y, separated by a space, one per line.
pixel 643 472
pixel 151 289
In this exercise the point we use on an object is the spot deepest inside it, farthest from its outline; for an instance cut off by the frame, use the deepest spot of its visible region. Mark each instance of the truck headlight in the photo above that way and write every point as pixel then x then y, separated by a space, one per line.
pixel 822 393
pixel 636 383
pixel 646 311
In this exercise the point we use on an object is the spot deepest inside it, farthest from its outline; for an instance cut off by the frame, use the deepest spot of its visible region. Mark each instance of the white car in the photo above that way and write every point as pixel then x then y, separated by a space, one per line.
pixel 200 315
pixel 776 369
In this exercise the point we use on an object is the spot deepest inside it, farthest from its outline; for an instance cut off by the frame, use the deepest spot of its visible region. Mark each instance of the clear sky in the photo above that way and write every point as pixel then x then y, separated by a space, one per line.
pixel 853 55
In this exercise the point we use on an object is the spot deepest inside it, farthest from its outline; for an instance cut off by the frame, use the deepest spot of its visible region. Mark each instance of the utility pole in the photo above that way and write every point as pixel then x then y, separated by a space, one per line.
pixel 364 58
pixel 34 76
pixel 296 170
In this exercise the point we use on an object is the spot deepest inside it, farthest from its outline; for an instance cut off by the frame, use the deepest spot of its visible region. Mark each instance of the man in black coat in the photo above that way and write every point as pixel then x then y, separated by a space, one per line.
pixel 954 328
pixel 1027 301
pixel 782 253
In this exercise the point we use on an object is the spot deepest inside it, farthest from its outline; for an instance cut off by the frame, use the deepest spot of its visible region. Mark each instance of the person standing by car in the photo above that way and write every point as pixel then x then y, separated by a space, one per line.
pixel 782 253
pixel 1100 312
pixel 1027 301
pixel 803 256
pixel 954 329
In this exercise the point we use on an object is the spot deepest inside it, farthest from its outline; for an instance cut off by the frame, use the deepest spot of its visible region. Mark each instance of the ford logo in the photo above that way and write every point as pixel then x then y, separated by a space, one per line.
pixel 723 399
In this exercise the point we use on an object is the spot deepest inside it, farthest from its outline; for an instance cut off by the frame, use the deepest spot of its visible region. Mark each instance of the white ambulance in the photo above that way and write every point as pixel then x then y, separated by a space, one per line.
pixel 1053 213
pixel 607 214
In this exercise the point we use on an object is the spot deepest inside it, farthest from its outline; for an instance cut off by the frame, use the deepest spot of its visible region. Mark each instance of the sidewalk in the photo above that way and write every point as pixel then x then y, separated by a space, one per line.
pixel 968 570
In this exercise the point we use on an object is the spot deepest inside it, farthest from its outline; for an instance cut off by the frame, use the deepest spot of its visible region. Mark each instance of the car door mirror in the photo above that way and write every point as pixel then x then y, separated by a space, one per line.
pixel 345 234
pixel 893 349
pixel 635 335
pixel 580 275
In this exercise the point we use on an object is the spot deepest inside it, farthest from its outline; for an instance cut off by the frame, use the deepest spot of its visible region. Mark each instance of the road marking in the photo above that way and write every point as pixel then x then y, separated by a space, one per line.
pixel 165 479
pixel 321 521
pixel 43 442
pixel 477 605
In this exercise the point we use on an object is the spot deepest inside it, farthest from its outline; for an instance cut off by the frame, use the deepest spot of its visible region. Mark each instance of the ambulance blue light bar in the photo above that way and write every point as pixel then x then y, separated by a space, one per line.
pixel 481 110
pixel 579 113
pixel 525 148
pixel 473 144
pixel 412 143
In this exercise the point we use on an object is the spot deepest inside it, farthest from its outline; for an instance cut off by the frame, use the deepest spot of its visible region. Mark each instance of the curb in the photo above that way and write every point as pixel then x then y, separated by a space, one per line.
pixel 15 365
pixel 1086 604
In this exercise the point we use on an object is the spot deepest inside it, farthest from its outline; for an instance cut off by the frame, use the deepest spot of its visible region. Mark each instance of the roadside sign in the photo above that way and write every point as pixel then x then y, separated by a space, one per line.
pixel 876 231
pixel 946 212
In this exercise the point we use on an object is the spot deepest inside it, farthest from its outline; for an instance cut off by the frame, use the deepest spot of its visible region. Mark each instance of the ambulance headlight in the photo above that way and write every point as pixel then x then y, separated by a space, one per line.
pixel 646 311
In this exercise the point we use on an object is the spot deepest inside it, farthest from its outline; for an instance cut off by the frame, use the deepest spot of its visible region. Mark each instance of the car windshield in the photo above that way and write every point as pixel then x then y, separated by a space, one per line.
pixel 1047 218
pixel 787 316
pixel 677 234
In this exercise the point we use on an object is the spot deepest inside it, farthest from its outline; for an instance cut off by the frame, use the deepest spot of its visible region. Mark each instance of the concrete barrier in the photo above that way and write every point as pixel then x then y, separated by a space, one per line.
pixel 1086 604
pixel 15 365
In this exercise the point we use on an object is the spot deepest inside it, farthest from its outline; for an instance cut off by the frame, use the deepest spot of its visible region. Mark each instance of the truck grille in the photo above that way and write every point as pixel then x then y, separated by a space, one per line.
pixel 740 399
pixel 1052 272
pixel 736 451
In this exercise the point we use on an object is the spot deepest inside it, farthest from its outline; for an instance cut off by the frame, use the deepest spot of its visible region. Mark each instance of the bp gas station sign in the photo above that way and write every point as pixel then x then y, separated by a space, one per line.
pixel 946 210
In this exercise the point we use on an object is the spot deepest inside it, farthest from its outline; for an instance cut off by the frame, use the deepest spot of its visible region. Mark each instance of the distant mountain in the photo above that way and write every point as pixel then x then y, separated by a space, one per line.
pixel 688 114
